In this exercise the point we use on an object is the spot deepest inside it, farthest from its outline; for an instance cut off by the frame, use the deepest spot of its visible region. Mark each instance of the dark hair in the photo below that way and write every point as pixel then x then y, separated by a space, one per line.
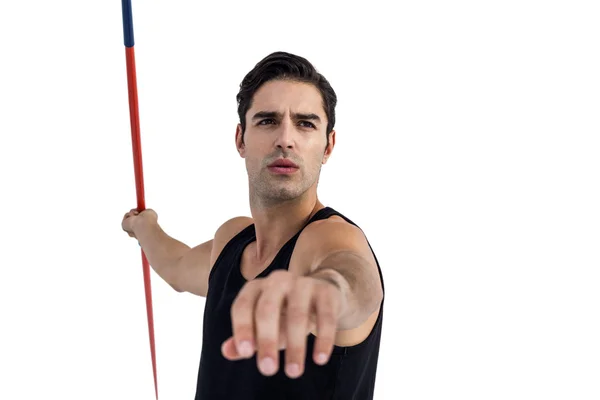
pixel 285 66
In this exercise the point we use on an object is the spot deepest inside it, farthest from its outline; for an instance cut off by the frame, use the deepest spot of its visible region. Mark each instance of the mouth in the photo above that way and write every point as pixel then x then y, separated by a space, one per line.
pixel 283 163
pixel 283 166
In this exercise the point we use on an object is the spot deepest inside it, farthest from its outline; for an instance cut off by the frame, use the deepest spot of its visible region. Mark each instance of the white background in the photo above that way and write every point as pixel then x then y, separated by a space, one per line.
pixel 467 149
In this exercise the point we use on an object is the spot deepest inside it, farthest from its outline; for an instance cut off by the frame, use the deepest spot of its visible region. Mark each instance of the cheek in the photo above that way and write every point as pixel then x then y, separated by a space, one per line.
pixel 253 163
pixel 316 161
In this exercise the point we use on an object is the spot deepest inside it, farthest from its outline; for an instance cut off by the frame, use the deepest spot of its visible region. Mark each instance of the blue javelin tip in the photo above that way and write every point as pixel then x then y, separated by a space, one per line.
pixel 127 23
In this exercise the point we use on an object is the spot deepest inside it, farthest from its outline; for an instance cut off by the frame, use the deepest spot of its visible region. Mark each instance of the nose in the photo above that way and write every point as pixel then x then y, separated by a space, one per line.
pixel 285 135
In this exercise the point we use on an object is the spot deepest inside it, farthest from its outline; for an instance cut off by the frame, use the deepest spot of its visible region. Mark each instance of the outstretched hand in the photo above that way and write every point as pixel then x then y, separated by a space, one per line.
pixel 277 313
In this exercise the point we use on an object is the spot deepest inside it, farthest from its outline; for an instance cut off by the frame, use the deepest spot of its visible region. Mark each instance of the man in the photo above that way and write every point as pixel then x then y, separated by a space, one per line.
pixel 294 295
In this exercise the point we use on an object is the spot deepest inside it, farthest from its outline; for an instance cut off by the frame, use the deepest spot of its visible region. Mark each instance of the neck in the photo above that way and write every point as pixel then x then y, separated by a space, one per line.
pixel 276 223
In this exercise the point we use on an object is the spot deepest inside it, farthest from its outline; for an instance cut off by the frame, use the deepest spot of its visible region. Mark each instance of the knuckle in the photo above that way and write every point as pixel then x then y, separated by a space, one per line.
pixel 327 317
pixel 305 281
pixel 327 289
pixel 242 330
pixel 295 313
pixel 296 341
pixel 275 278
pixel 240 305
pixel 326 335
pixel 278 277
pixel 301 286
pixel 266 308
pixel 296 349
pixel 250 286
pixel 240 301
pixel 278 273
pixel 327 299
pixel 266 342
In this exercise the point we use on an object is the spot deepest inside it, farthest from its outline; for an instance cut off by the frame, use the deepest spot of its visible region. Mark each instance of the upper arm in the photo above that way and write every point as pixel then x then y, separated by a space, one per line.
pixel 334 244
pixel 193 268
pixel 327 238
pixel 340 246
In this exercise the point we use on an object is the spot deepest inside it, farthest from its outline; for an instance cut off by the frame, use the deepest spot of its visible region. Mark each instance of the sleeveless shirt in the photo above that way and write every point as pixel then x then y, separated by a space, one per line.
pixel 348 375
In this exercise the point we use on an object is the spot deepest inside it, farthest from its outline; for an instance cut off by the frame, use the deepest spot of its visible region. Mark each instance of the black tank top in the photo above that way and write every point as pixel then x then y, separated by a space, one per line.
pixel 349 374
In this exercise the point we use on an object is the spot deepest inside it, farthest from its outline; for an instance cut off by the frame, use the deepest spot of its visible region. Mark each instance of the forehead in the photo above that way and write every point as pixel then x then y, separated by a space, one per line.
pixel 283 95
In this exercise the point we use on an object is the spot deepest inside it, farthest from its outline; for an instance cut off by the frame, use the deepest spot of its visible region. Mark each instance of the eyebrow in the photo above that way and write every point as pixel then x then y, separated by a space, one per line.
pixel 273 114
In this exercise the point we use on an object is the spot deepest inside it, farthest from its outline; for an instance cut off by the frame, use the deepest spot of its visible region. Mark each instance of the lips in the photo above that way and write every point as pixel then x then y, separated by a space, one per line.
pixel 283 163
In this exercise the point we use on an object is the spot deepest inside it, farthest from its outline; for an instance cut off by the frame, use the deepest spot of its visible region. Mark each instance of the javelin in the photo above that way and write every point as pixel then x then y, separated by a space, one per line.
pixel 137 163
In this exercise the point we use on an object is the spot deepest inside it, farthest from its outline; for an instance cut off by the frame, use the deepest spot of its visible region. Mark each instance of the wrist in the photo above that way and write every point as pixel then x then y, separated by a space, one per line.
pixel 328 276
pixel 336 280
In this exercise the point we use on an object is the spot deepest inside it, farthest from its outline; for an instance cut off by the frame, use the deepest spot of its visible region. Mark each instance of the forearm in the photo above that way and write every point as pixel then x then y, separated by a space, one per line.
pixel 161 250
pixel 360 290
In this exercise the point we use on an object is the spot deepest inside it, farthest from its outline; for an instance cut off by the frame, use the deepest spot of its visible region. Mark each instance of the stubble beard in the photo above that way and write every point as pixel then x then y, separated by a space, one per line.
pixel 269 190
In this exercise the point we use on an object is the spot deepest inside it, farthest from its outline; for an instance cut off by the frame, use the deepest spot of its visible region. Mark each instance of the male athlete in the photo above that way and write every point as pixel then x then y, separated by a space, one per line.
pixel 294 295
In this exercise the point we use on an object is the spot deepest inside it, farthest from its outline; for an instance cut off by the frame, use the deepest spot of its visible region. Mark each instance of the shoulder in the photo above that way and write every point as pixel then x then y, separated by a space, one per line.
pixel 227 231
pixel 322 238
pixel 235 224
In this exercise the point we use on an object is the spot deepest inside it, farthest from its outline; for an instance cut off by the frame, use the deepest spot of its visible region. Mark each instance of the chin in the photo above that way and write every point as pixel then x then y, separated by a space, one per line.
pixel 279 190
pixel 283 194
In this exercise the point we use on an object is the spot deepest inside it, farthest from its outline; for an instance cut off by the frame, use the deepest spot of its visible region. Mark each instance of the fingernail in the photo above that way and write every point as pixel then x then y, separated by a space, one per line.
pixel 321 358
pixel 245 349
pixel 293 370
pixel 267 366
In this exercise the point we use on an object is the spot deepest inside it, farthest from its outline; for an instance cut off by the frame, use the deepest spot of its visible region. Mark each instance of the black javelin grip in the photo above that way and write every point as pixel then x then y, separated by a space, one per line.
pixel 127 23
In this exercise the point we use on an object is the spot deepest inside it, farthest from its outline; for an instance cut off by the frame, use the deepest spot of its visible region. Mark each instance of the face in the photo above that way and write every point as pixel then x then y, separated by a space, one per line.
pixel 286 120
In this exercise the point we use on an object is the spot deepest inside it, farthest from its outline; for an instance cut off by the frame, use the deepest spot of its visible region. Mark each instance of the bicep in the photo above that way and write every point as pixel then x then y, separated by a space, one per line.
pixel 193 269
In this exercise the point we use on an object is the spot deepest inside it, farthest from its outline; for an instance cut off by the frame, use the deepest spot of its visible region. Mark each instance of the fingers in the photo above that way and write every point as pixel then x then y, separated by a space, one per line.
pixel 130 213
pixel 126 225
pixel 297 316
pixel 326 303
pixel 242 319
pixel 230 351
pixel 267 318
pixel 277 313
pixel 133 211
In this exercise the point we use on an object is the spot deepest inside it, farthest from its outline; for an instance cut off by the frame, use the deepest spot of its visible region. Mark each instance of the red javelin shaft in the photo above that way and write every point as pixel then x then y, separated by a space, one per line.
pixel 139 188
pixel 137 163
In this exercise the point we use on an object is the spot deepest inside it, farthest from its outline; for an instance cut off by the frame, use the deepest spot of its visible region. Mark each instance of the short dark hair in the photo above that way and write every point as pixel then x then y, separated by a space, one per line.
pixel 285 66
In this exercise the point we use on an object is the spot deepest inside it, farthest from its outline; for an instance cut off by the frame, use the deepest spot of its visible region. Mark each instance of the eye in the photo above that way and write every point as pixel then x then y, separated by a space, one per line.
pixel 266 120
pixel 308 124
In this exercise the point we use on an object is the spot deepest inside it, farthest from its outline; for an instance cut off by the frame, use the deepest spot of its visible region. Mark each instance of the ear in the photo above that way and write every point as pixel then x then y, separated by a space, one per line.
pixel 239 141
pixel 329 147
